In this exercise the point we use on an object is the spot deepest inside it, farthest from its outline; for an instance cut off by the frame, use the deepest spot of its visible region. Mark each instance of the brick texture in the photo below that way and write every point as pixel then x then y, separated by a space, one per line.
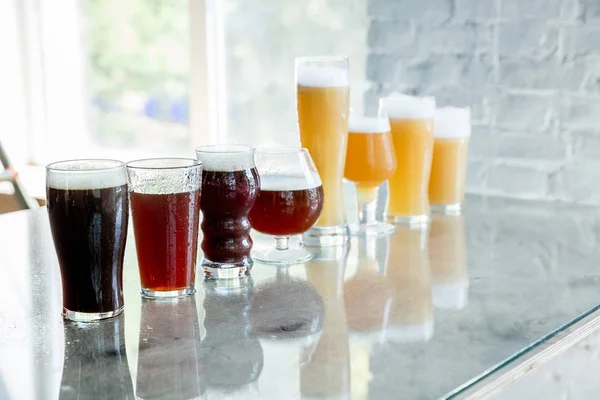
pixel 529 70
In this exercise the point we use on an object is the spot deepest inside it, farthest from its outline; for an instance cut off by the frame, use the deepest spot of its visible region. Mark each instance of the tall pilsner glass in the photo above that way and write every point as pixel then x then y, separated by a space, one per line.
pixel 323 106
pixel 411 120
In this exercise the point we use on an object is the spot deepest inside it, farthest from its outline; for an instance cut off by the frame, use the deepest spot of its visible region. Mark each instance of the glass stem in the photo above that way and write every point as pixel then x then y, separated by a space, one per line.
pixel 367 205
pixel 282 242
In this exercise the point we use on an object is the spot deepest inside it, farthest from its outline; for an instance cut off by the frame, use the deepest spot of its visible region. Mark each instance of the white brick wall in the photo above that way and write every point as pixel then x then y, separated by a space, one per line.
pixel 530 70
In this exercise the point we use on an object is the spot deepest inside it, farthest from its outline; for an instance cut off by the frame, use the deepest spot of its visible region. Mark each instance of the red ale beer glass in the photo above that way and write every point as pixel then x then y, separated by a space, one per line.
pixel 230 186
pixel 88 210
pixel 289 202
pixel 165 206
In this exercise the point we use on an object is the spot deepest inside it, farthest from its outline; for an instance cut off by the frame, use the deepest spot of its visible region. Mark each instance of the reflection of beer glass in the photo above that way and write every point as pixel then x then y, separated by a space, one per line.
pixel 230 185
pixel 369 293
pixel 448 259
pixel 88 210
pixel 232 356
pixel 449 166
pixel 289 202
pixel 169 362
pixel 286 337
pixel 327 373
pixel 323 103
pixel 411 315
pixel 411 120
pixel 165 206
pixel 96 362
pixel 370 161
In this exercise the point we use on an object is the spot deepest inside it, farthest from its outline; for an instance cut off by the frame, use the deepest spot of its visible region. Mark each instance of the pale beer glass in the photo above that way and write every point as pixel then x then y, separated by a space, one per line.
pixel 411 121
pixel 323 107
pixel 370 161
pixel 449 165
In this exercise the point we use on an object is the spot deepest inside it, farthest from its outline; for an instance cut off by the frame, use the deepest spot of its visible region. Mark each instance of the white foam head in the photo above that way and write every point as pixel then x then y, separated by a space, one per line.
pixel 452 122
pixel 283 182
pixel 85 174
pixel 317 76
pixel 226 157
pixel 360 124
pixel 401 106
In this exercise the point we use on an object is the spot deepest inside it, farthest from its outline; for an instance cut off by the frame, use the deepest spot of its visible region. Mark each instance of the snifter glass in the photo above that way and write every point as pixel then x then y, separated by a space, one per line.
pixel 88 210
pixel 165 206
pixel 229 188
pixel 289 202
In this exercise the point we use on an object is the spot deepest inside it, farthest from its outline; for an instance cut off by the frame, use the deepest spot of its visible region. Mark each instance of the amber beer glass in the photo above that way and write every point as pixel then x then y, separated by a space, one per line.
pixel 322 101
pixel 449 166
pixel 165 203
pixel 289 202
pixel 230 185
pixel 411 120
pixel 370 161
pixel 88 209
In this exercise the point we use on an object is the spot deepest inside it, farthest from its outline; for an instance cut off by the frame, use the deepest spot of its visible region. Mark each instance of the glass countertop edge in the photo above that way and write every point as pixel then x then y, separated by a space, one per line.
pixel 479 378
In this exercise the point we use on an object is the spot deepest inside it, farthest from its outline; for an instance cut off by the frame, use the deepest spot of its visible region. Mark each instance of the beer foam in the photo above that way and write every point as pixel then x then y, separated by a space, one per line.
pixel 226 157
pixel 85 174
pixel 452 122
pixel 313 76
pixel 359 124
pixel 287 182
pixel 402 106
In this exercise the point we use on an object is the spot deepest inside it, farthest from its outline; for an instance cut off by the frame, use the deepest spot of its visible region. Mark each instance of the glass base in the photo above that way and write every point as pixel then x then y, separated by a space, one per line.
pixel 447 209
pixel 214 270
pixel 282 257
pixel 166 294
pixel 414 221
pixel 326 236
pixel 372 229
pixel 89 317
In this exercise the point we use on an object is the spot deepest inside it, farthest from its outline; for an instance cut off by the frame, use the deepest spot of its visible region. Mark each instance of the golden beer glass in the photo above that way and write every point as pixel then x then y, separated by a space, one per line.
pixel 449 165
pixel 323 105
pixel 370 161
pixel 411 122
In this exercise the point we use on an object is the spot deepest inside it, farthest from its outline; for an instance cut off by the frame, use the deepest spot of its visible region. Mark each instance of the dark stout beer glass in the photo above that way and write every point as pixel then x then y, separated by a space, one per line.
pixel 165 206
pixel 289 202
pixel 230 186
pixel 88 210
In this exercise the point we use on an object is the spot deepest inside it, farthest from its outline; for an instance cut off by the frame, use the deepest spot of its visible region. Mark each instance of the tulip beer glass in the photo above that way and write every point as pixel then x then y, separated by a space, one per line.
pixel 370 161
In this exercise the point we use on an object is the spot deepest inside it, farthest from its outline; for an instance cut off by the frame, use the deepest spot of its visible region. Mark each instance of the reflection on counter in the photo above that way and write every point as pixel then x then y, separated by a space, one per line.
pixel 169 364
pixel 411 315
pixel 448 260
pixel 326 373
pixel 95 361
pixel 232 356
pixel 286 338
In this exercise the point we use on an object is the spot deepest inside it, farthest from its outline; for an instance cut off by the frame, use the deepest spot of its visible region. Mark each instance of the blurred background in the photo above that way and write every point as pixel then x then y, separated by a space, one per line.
pixel 108 78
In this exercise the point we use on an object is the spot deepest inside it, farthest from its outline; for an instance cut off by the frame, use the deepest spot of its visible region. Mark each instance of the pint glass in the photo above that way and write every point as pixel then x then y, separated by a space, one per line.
pixel 322 101
pixel 230 186
pixel 411 120
pixel 165 205
pixel 370 161
pixel 449 166
pixel 88 209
